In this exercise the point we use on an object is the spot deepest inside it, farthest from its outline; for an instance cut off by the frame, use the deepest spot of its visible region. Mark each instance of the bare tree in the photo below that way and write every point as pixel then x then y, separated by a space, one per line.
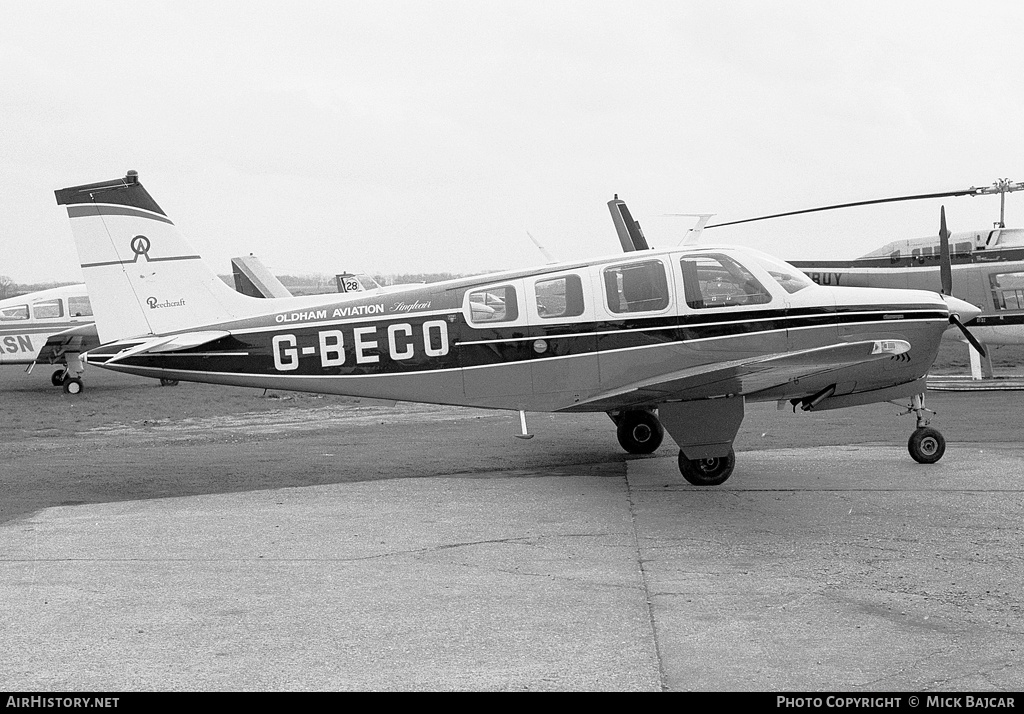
pixel 7 287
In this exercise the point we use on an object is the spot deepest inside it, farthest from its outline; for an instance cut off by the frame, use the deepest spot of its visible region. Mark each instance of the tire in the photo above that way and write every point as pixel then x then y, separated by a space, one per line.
pixel 926 445
pixel 73 385
pixel 168 382
pixel 57 378
pixel 640 432
pixel 707 472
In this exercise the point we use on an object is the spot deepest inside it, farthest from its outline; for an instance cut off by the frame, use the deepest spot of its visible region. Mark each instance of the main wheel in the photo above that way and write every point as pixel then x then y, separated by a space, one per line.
pixel 640 432
pixel 707 472
pixel 57 378
pixel 73 385
pixel 926 445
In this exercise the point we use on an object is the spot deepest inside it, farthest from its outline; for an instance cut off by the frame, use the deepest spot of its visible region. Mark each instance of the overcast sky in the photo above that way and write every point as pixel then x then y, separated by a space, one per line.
pixel 394 137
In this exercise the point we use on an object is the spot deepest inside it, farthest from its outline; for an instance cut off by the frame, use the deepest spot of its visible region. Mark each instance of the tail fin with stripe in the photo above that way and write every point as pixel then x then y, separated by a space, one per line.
pixel 143 276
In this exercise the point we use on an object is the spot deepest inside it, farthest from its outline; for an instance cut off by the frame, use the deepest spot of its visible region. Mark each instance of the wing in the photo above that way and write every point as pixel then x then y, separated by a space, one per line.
pixel 744 376
pixel 74 340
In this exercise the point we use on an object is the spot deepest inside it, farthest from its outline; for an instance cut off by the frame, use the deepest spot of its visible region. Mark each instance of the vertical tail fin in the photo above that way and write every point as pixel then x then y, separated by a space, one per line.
pixel 252 278
pixel 143 276
pixel 630 235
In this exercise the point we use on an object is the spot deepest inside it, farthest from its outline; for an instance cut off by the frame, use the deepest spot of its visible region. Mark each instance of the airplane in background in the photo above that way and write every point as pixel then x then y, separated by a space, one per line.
pixel 984 267
pixel 53 326
pixel 673 340
pixel 56 326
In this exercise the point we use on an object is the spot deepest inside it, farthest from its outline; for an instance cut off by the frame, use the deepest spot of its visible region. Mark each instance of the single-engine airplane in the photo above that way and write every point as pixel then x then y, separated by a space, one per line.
pixel 53 326
pixel 675 339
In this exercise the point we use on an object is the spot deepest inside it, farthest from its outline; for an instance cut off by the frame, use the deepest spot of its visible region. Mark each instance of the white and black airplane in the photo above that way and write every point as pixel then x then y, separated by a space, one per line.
pixel 677 339
pixel 53 326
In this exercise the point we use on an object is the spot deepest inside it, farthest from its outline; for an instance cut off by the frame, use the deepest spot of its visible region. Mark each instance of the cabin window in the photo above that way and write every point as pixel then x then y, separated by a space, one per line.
pixel 637 287
pixel 15 312
pixel 48 310
pixel 719 281
pixel 559 297
pixel 79 306
pixel 495 304
pixel 1007 290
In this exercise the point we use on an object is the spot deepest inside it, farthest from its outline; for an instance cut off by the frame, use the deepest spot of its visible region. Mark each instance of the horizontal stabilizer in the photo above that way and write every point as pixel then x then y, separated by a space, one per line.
pixel 170 343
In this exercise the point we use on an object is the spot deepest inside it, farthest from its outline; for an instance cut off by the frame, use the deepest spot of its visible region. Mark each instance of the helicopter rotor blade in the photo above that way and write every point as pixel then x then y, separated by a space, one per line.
pixel 999 187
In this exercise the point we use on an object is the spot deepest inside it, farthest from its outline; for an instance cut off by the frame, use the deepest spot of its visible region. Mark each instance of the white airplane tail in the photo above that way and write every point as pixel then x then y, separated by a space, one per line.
pixel 143 276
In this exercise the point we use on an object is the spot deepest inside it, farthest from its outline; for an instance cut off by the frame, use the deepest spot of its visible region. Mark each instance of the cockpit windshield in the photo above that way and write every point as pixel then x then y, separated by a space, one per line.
pixel 791 279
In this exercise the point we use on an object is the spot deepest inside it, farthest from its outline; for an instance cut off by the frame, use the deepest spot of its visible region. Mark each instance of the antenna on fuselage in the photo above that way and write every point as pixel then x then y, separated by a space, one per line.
pixel 543 252
pixel 693 235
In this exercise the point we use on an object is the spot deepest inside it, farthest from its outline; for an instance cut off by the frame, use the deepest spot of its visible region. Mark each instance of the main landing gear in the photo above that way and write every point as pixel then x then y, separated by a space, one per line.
pixel 639 431
pixel 63 378
pixel 926 445
pixel 707 472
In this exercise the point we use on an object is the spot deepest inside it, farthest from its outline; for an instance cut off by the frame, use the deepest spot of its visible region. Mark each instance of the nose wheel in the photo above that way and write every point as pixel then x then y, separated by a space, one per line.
pixel 926 445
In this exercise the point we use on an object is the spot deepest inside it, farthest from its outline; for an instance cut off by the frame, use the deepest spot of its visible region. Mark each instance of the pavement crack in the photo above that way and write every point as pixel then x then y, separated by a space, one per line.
pixel 645 585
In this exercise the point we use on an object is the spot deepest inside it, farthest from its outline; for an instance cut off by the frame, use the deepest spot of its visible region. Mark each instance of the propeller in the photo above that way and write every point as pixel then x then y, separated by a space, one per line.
pixel 946 276
pixel 954 319
pixel 945 264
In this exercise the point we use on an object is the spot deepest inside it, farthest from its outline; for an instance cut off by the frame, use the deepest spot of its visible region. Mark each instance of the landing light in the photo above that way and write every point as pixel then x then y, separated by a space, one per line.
pixel 892 347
